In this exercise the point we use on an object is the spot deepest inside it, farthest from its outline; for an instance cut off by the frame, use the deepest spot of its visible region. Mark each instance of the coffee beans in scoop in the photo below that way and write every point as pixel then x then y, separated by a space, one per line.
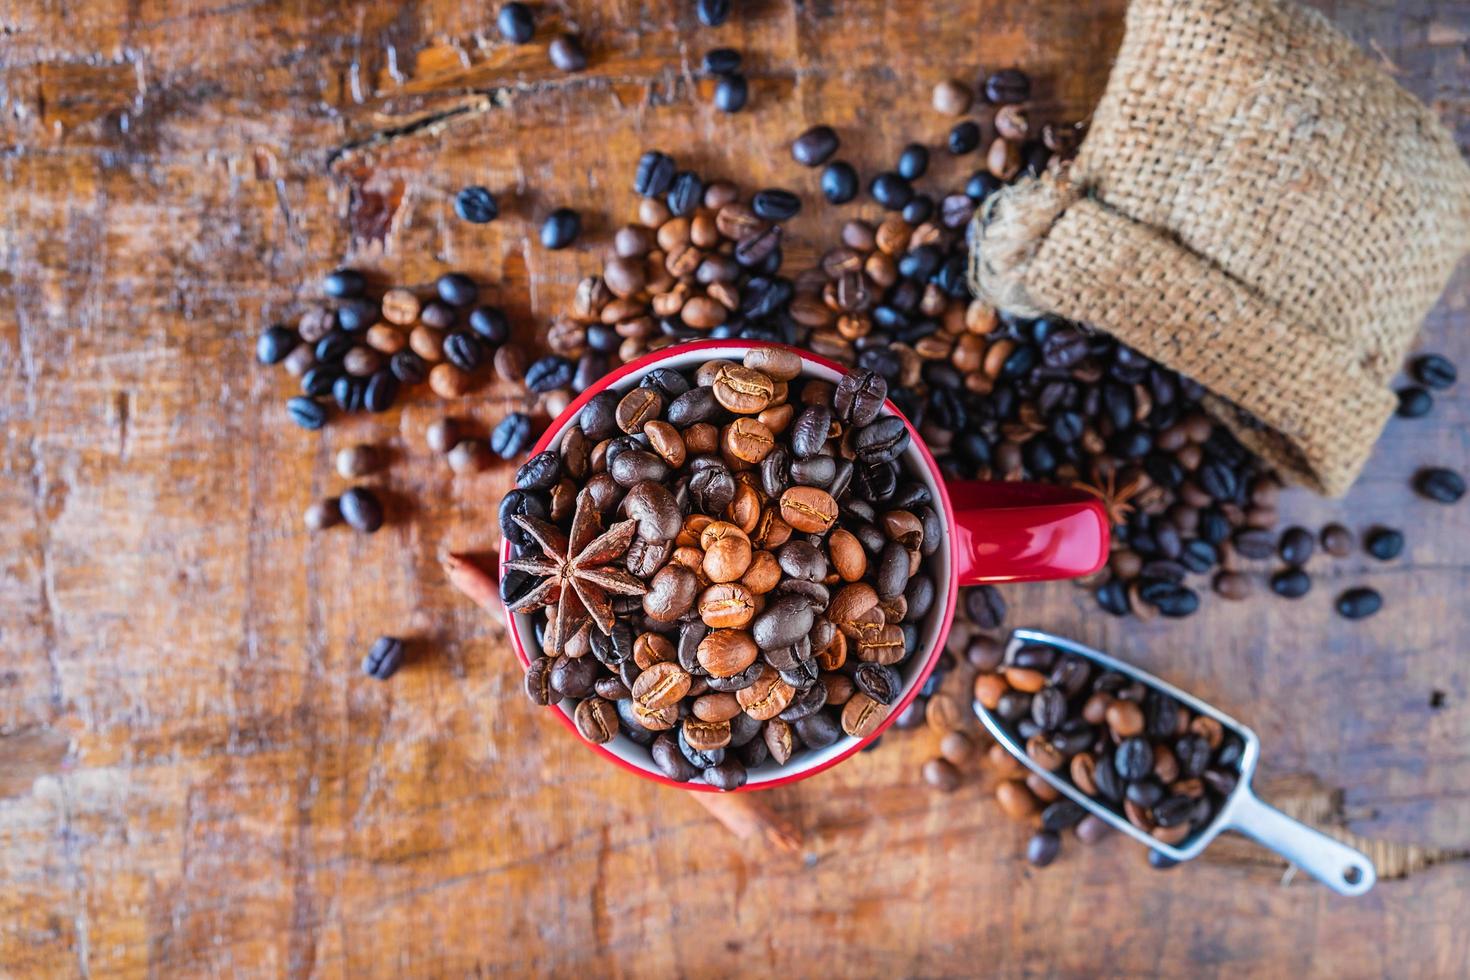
pixel 728 566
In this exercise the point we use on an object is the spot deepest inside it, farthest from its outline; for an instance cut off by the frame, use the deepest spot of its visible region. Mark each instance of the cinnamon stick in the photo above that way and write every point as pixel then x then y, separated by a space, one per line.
pixel 474 582
pixel 747 817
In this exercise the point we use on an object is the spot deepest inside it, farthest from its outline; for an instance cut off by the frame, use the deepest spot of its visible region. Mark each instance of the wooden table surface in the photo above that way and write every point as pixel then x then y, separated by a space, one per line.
pixel 194 777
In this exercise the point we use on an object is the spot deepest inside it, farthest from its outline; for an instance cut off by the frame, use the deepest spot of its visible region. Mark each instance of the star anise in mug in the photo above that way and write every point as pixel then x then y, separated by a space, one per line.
pixel 578 571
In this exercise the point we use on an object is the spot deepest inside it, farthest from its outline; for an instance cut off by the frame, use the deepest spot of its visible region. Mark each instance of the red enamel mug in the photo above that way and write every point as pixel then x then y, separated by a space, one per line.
pixel 995 532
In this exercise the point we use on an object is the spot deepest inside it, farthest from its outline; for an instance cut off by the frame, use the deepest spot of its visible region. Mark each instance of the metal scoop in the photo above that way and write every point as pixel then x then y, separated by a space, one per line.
pixel 1341 868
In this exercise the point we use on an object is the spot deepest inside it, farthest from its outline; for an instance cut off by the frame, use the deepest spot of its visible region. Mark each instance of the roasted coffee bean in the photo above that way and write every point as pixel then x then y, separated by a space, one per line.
pixel 1255 543
pixel 654 174
pixel 597 720
pixel 566 54
pixel 720 61
pixel 818 731
pixel 362 510
pixel 1384 543
pixel 516 23
pixel 274 344
pixel 1297 544
pixel 344 283
pixel 808 509
pixel 1043 847
pixel 839 182
pixel 964 137
pixel 712 489
pixel 671 761
pixel 809 431
pixel 1433 371
pixel 732 92
pixel 540 472
pixel 560 228
pixel 1134 758
pixel 879 682
pixel 859 397
pixel 1439 484
pixel 307 412
pixel 490 324
pixel 985 607
pixel 549 373
pixel 511 436
pixel 538 682
pixel 1414 402
pixel 891 191
pixel 713 13
pixel 814 147
pixel 785 621
pixel 670 593
pixel 1358 603
pixel 476 204
pixel 384 658
pixel 1337 540
pixel 1291 583
pixel 1007 87
pixel 464 351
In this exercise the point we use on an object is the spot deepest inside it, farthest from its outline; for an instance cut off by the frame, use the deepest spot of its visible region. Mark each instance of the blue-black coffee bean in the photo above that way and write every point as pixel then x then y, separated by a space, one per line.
pixel 732 92
pixel 275 343
pixel 1144 792
pixel 698 759
pixel 1439 484
pixel 917 263
pixel 476 205
pixel 524 504
pixel 1291 583
pixel 727 774
pixel 655 174
pixel 464 351
pixel 818 471
pixel 981 185
pixel 985 607
pixel 720 61
pixel 511 437
pixel 591 368
pixel 1061 815
pixel 540 472
pixel 1199 556
pixel 384 658
pixel 348 391
pixel 598 417
pixel 565 53
pixel 712 13
pixel 1434 371
pixel 490 324
pixel 515 22
pixel 1414 402
pixel 815 146
pixel 891 191
pixel 685 194
pixel 306 412
pixel 754 251
pixel 380 391
pixel 918 210
pixel 1043 847
pixel 839 182
pixel 549 373
pixel 1297 545
pixel 439 315
pixel 344 283
pixel 818 731
pixel 1110 785
pixel 408 367
pixel 775 204
pixel 560 228
pixel 1359 603
pixel 1007 87
pixel 964 137
pixel 1384 543
pixel 913 161
pixel 1134 758
pixel 456 289
pixel 361 509
pixel 670 383
pixel 333 347
pixel 319 380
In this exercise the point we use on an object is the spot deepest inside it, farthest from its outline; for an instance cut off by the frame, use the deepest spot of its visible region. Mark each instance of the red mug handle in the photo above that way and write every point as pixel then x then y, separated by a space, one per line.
pixel 1025 532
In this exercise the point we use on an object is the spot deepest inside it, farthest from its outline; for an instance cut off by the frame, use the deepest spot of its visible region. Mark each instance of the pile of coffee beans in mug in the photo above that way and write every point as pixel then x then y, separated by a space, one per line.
pixel 727 566
pixel 1133 748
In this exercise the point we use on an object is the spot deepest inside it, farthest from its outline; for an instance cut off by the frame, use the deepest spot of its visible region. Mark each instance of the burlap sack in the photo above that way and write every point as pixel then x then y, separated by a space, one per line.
pixel 1256 205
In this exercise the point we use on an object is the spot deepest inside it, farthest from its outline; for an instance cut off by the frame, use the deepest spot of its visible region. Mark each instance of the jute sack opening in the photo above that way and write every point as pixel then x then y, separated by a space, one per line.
pixel 1256 205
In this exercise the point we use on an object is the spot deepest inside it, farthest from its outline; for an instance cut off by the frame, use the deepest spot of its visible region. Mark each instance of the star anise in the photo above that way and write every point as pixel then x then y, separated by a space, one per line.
pixel 1117 498
pixel 578 572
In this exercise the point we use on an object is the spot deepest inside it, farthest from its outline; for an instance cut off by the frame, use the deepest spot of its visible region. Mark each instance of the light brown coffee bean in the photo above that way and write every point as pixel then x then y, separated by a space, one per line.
pixel 427 343
pixel 776 418
pixel 692 559
pixel 666 441
pixel 840 688
pixel 1012 123
pixel 767 697
pixel 1025 679
pixel 1040 750
pixel 880 644
pixel 469 456
pixel 1041 789
pixel 358 460
pixel 748 440
pixel 957 747
pixel 780 739
pixel 903 527
pixel 834 654
pixel 637 408
pixel 362 361
pixel 597 720
pixel 764 573
pixel 653 648
pixel 728 557
pixel 989 689
pixel 671 593
pixel 702 437
pixel 662 685
pixel 727 652
pixel 706 736
pixel 861 716
pixel 741 390
pixel 385 339
pixel 1003 159
pixel 1016 801
pixel 1095 708
pixel 692 532
pixel 1125 719
pixel 401 307
pixel 1003 764
pixel 951 98
pixel 745 510
pixel 944 713
pixel 631 240
pixel 510 363
pixel 656 719
pixel 716 706
pixel 624 276
pixel 776 363
pixel 770 531
pixel 448 381
pixel 737 222
pixel 851 604
pixel 727 606
pixel 712 531
pixel 848 558
pixel 1166 764
pixel 323 514
pixel 808 509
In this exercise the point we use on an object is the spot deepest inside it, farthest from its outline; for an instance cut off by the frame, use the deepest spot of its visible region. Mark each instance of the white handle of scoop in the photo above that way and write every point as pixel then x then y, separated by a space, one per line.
pixel 1344 869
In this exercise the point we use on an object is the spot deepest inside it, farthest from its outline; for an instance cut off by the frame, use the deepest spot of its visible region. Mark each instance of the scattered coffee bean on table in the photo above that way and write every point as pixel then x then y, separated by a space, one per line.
pixel 362 510
pixel 561 228
pixel 476 205
pixel 732 92
pixel 1434 371
pixel 516 23
pixel 384 658
pixel 1359 603
pixel 722 590
pixel 566 54
pixel 1384 543
pixel 1440 484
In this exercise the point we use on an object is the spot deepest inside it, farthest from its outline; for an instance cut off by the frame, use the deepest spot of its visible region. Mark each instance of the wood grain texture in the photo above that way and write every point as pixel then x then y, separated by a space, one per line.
pixel 194 779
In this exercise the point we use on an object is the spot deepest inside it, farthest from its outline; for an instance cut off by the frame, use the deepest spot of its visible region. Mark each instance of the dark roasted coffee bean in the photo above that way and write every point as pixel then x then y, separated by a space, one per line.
pixel 476 205
pixel 384 658
pixel 566 54
pixel 807 702
pixel 1297 545
pixel 913 161
pixel 1144 793
pixel 670 760
pixel 1048 708
pixel 985 607
pixel 1061 815
pixel 490 324
pixel 1439 484
pixel 1434 371
pixel 819 471
pixel 1134 758
pixel 319 380
pixel 882 441
pixel 775 204
pixel 891 191
pixel 964 137
pixel 720 61
pixel 655 174
pixel 1112 596
pixel 464 351
pixel 839 182
pixel 540 472
pixel 818 731
pixel 333 347
pixel 981 185
pixel 757 249
pixel 809 431
pixel 306 412
pixel 1043 847
pixel 512 436
pixel 1384 543
pixel 1007 87
pixel 685 193
pixel 728 774
pixel 1110 786
pixel 813 147
pixel 361 510
pixel 408 367
pixel 549 373
pixel 560 228
pixel 347 391
pixel 356 315
pixel 732 92
pixel 344 283
pixel 1359 603
pixel 694 405
pixel 515 23
pixel 456 289
pixel 1193 754
pixel 711 490
pixel 859 397
pixel 274 344
pixel 380 391
pixel 1254 543
pixel 712 13
pixel 1160 861
pixel 1414 402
